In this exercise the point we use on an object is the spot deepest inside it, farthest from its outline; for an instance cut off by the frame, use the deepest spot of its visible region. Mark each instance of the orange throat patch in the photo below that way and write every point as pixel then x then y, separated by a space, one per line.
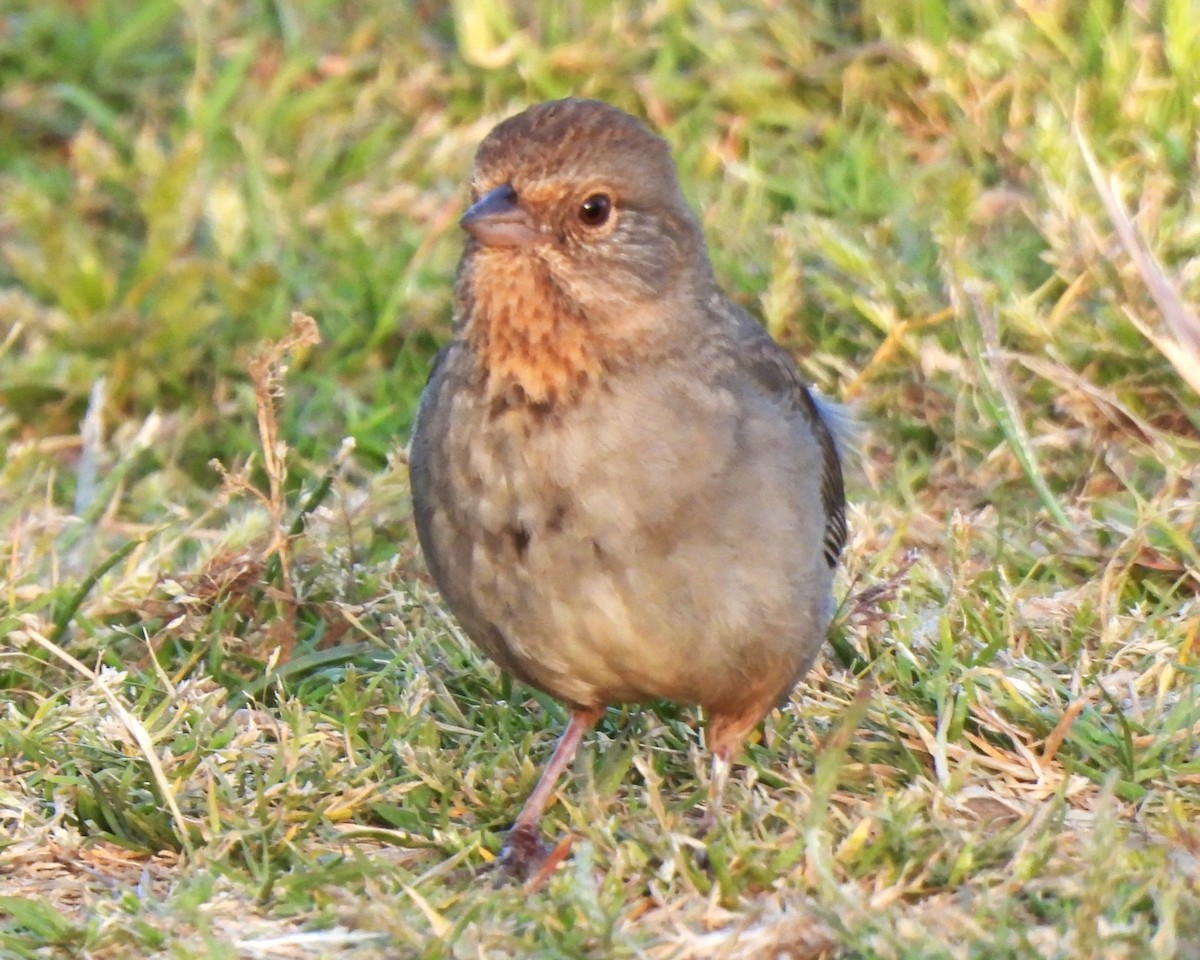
pixel 531 341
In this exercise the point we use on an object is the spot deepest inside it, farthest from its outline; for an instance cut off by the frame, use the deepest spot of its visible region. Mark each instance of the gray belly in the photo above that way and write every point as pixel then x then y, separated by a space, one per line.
pixel 642 547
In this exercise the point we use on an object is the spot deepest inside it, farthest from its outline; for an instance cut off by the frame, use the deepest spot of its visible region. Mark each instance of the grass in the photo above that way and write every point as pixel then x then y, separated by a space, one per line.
pixel 238 722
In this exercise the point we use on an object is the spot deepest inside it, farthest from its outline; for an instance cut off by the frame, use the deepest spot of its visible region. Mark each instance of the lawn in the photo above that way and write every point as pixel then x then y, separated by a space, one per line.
pixel 238 720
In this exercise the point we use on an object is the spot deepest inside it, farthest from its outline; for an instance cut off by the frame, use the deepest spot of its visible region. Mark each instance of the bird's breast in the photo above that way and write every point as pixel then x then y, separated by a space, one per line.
pixel 533 345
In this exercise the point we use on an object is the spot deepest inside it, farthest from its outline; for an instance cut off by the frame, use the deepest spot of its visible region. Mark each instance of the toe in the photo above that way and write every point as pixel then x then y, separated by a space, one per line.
pixel 522 854
pixel 525 858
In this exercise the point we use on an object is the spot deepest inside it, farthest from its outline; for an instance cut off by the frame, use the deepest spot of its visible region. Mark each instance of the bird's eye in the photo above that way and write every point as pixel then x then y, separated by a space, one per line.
pixel 595 210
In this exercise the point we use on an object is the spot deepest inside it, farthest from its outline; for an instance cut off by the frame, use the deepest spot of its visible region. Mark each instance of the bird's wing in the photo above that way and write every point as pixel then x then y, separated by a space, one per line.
pixel 428 425
pixel 776 372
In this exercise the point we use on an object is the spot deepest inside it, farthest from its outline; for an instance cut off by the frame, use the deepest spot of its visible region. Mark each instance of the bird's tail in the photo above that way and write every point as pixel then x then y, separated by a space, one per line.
pixel 845 427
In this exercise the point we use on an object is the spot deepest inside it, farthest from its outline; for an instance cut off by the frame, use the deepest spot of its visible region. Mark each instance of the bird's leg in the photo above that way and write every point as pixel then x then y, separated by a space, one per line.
pixel 723 736
pixel 523 852
pixel 716 789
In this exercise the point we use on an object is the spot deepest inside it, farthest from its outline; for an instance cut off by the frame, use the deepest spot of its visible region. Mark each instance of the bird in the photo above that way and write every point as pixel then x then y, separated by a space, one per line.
pixel 623 488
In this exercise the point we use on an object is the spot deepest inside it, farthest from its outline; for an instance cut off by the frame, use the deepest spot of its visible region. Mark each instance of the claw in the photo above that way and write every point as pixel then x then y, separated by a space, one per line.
pixel 524 857
pixel 523 853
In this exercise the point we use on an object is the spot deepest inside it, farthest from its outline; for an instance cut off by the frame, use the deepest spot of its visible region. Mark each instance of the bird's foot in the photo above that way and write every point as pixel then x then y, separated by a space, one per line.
pixel 704 838
pixel 523 852
pixel 524 857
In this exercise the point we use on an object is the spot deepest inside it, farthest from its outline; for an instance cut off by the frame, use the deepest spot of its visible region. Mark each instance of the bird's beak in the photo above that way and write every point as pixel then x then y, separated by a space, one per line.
pixel 497 220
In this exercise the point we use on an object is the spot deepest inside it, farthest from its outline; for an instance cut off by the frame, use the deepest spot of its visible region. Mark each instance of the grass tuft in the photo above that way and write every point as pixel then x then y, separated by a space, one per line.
pixel 238 721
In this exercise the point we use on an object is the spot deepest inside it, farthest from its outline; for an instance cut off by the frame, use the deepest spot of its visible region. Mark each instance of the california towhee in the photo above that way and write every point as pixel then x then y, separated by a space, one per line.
pixel 622 487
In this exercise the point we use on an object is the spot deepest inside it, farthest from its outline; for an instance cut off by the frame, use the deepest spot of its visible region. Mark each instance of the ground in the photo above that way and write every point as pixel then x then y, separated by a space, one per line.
pixel 238 720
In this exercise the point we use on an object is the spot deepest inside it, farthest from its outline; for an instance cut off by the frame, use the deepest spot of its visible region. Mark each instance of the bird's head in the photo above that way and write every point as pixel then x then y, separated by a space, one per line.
pixel 588 195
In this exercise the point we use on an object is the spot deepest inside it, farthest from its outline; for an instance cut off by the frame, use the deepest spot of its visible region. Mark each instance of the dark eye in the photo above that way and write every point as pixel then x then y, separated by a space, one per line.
pixel 595 210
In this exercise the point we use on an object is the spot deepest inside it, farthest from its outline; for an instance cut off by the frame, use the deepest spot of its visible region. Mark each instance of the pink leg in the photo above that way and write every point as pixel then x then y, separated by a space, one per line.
pixel 724 736
pixel 523 852
pixel 716 791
